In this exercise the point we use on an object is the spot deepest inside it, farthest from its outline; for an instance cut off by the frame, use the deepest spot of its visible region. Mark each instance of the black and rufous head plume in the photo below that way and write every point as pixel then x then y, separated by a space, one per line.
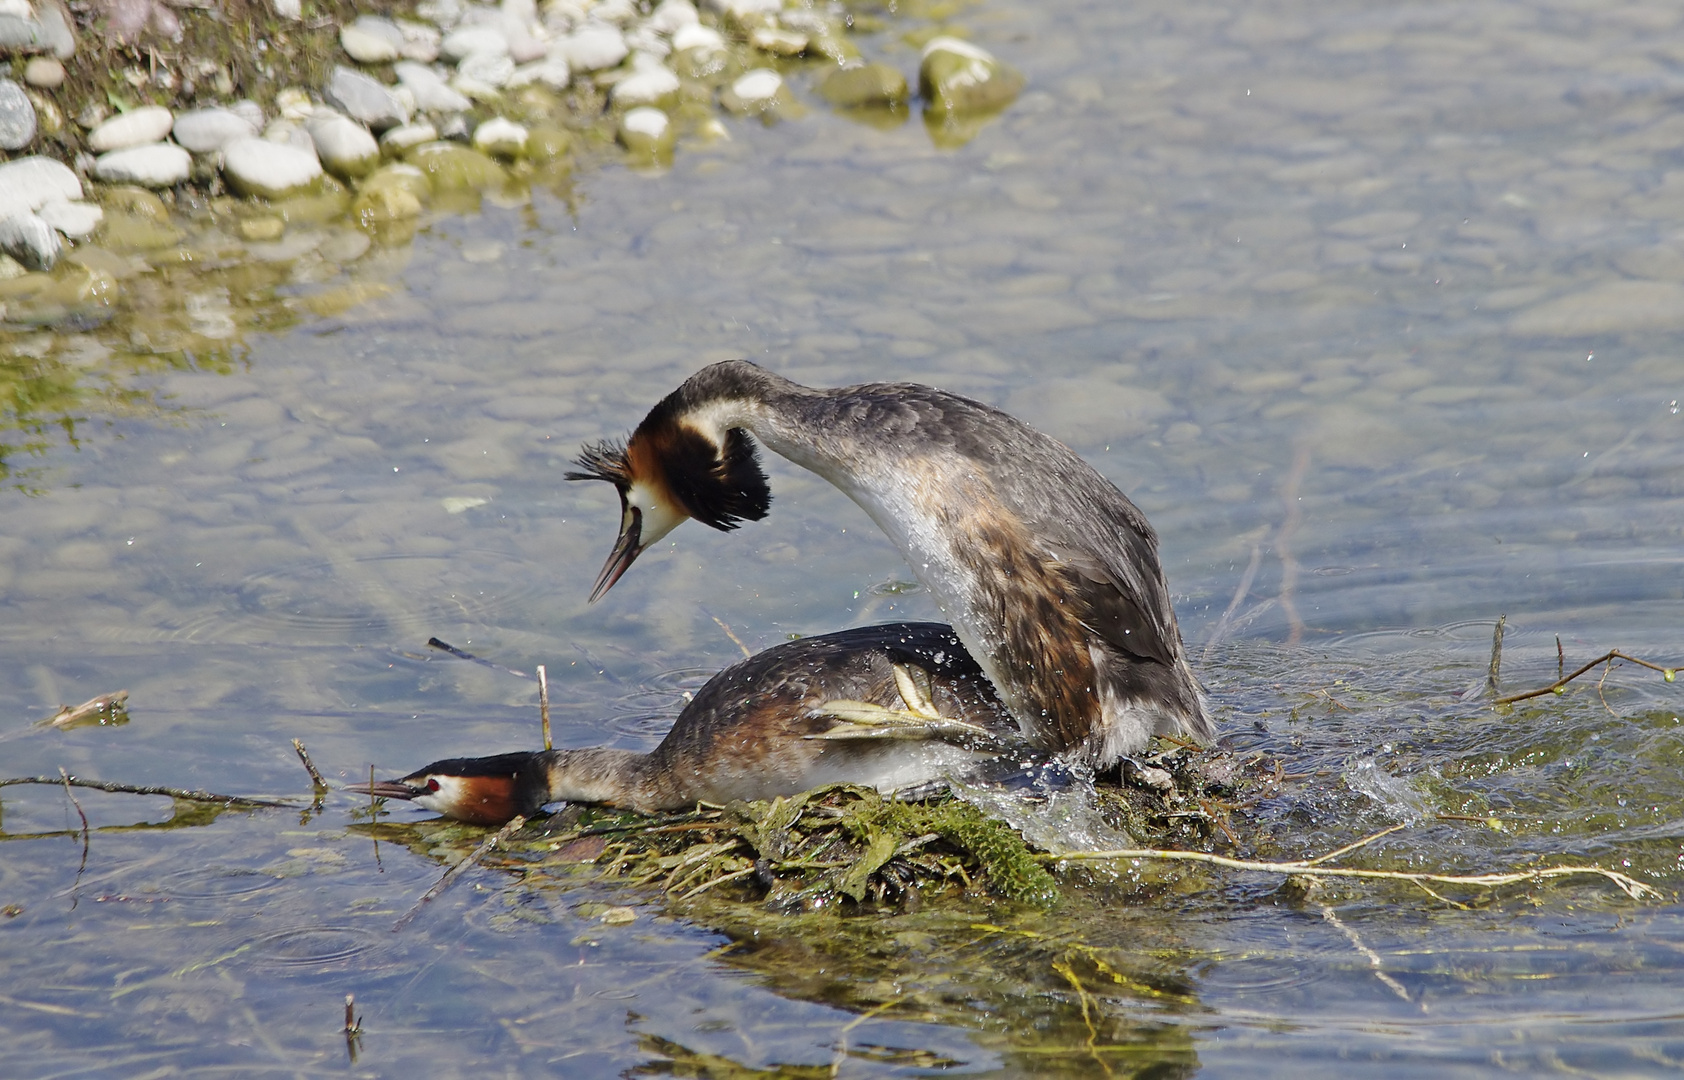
pixel 674 468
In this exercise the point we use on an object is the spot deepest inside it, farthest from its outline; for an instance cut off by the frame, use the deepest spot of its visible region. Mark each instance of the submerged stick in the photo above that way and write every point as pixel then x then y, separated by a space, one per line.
pixel 146 789
pixel 456 871
pixel 1630 886
pixel 1669 674
pixel 462 654
pixel 1492 674
pixel 316 780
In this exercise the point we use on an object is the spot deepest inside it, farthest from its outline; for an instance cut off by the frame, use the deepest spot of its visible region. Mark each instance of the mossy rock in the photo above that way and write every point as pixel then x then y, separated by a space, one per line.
pixel 450 167
pixel 864 86
pixel 958 77
pixel 392 193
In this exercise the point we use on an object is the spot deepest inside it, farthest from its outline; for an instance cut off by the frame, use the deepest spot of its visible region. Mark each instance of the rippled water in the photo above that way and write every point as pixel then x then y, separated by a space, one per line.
pixel 1378 312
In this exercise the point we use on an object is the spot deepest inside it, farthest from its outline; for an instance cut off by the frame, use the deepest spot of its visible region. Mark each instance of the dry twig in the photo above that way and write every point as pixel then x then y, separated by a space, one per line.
pixel 147 789
pixel 1669 674
pixel 316 780
pixel 1630 886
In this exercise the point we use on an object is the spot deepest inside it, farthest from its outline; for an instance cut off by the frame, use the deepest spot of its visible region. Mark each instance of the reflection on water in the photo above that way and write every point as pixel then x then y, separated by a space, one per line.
pixel 1386 347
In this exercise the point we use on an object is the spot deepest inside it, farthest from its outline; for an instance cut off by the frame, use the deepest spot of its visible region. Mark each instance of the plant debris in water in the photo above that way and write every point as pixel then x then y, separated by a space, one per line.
pixel 849 847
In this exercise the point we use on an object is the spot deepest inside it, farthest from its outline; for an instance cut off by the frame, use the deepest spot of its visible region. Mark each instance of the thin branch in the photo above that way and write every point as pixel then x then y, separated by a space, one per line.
pixel 474 856
pixel 1373 958
pixel 65 777
pixel 148 789
pixel 1630 886
pixel 1669 674
pixel 544 704
pixel 735 640
pixel 1348 848
pixel 316 780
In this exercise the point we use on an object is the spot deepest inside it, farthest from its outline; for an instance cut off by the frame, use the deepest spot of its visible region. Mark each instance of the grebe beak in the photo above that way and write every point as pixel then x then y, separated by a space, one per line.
pixel 390 789
pixel 627 548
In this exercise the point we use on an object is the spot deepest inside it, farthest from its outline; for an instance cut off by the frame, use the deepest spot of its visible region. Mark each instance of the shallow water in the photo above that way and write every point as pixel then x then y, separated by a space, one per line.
pixel 1378 312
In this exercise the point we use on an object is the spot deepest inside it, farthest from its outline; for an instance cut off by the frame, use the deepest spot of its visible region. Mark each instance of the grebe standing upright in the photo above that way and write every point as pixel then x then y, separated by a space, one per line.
pixel 791 718
pixel 1049 573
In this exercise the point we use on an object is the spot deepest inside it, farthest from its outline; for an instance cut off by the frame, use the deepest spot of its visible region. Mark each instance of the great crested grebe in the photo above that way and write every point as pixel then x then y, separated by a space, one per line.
pixel 1049 573
pixel 892 707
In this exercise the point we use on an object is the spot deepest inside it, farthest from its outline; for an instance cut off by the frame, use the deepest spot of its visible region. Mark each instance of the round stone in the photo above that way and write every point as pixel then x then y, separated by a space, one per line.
pixel 647 132
pixel 860 86
pixel 752 90
pixel 593 47
pixel 392 193
pixel 148 124
pixel 28 184
pixel 458 45
pixel 30 240
pixel 44 73
pixel 396 141
pixel 366 99
pixel 204 131
pixel 695 36
pixel 153 165
pixel 73 219
pixel 17 116
pixel 372 40
pixel 431 92
pixel 501 139
pixel 552 71
pixel 956 76
pixel 344 147
pixel 671 16
pixel 457 168
pixel 492 69
pixel 263 169
pixel 648 87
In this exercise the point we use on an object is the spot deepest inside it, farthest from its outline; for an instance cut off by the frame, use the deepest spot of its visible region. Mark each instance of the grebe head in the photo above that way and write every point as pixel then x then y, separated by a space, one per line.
pixel 479 791
pixel 679 463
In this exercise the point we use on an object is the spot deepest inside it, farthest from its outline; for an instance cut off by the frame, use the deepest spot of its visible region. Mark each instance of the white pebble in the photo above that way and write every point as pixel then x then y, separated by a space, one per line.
pixel 593 47
pixel 461 44
pixel 267 169
pixel 152 165
pixel 500 138
pixel 696 36
pixel 490 68
pixel 432 93
pixel 73 219
pixel 206 130
pixel 147 124
pixel 644 88
pixel 344 147
pixel 672 16
pixel 29 183
pixel 759 85
pixel 652 123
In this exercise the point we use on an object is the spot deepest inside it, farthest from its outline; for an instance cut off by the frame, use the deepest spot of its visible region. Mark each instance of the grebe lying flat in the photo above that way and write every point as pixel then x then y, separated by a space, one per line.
pixel 1049 573
pixel 789 719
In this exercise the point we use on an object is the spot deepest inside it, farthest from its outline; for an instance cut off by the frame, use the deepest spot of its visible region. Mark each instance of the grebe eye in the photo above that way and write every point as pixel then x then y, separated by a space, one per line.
pixel 432 784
